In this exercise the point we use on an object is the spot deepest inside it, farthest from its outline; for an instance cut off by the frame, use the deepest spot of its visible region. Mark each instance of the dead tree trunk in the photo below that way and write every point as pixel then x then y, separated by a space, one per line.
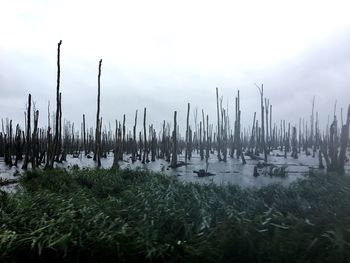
pixel 35 143
pixel 116 150
pixel 218 133
pixel 294 143
pixel 207 139
pixel 8 144
pixel 97 156
pixel 134 144
pixel 59 140
pixel 56 139
pixel 123 140
pixel 344 141
pixel 261 90
pixel 18 145
pixel 335 162
pixel 267 105
pixel 153 144
pixel 28 143
pixel 252 137
pixel 84 135
pixel 187 132
pixel 174 155
pixel 312 120
pixel 144 159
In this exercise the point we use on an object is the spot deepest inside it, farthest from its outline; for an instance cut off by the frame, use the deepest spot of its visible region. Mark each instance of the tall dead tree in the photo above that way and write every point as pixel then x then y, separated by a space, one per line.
pixel 116 150
pixel 97 155
pixel 59 142
pixel 267 106
pixel 28 140
pixel 344 142
pixel 56 137
pixel 174 155
pixel 187 133
pixel 294 143
pixel 237 131
pixel 312 120
pixel 123 141
pixel 144 158
pixel 8 144
pixel 261 90
pixel 252 136
pixel 134 143
pixel 270 125
pixel 84 135
pixel 218 130
pixel 334 151
pixel 18 145
pixel 49 139
pixel 35 141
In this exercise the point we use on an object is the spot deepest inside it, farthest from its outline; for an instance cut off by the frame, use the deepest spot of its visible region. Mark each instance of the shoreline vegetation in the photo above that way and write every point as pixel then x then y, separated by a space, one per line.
pixel 113 215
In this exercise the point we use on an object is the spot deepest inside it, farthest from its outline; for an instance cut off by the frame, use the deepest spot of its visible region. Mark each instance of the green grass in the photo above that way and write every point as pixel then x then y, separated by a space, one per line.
pixel 133 216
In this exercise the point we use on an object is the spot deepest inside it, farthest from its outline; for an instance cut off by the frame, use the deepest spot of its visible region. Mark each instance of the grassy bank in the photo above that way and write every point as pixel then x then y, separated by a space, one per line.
pixel 109 216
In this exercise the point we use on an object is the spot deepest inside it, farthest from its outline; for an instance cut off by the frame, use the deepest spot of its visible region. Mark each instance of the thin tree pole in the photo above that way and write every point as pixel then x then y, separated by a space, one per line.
pixel 116 150
pixel 97 133
pixel 218 134
pixel 84 135
pixel 28 144
pixel 174 155
pixel 187 132
pixel 134 148
pixel 261 90
pixel 56 139
pixel 144 136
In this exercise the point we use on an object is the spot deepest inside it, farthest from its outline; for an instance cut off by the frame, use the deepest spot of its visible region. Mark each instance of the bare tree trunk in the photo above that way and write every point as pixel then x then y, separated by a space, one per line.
pixel 123 141
pixel 252 138
pixel 35 142
pixel 134 147
pixel 59 141
pixel 270 124
pixel 116 157
pixel 267 105
pixel 84 135
pixel 312 120
pixel 49 139
pixel 294 143
pixel 144 159
pixel 261 90
pixel 218 134
pixel 98 131
pixel 56 139
pixel 18 145
pixel 174 155
pixel 187 132
pixel 28 143
pixel 99 148
pixel 344 141
pixel 207 142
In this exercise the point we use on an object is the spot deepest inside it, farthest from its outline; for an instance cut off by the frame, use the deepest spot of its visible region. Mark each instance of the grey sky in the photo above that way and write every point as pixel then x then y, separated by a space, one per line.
pixel 163 54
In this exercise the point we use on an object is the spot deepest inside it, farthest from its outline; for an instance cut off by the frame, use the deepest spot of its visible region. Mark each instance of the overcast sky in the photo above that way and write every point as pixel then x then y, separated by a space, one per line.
pixel 163 54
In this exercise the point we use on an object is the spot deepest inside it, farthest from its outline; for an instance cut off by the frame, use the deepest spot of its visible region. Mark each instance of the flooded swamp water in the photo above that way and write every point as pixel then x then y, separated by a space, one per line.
pixel 230 172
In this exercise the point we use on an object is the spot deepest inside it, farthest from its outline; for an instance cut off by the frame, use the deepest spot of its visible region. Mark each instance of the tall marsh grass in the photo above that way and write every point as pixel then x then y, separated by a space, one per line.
pixel 133 216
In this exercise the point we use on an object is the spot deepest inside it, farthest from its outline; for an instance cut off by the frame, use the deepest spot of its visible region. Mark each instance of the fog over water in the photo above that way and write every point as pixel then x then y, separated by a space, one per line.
pixel 161 55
